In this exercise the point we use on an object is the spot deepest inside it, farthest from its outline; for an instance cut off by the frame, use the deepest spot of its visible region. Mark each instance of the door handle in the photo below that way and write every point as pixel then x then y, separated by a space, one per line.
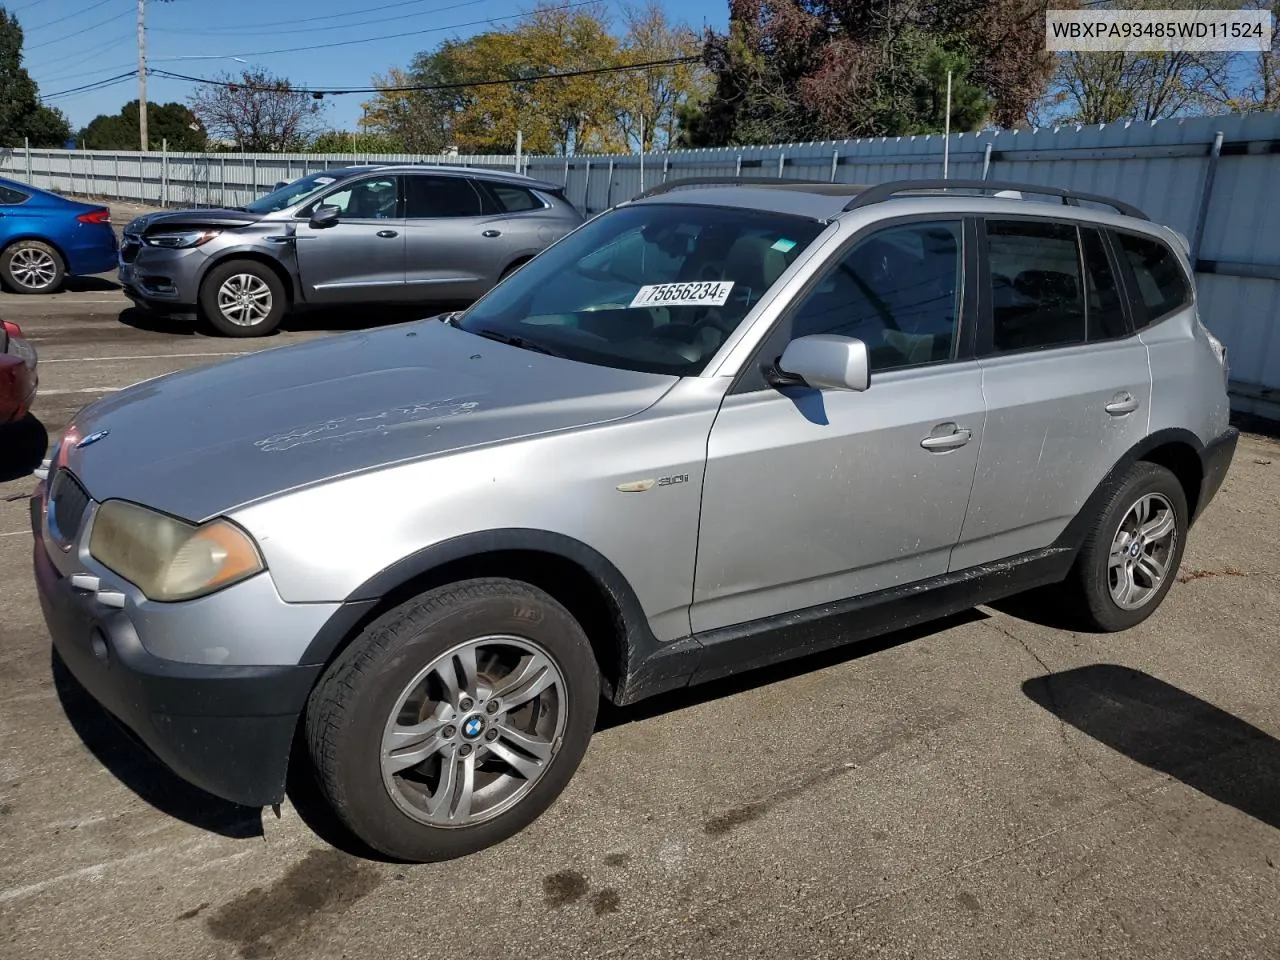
pixel 1122 404
pixel 387 234
pixel 958 437
pixel 492 233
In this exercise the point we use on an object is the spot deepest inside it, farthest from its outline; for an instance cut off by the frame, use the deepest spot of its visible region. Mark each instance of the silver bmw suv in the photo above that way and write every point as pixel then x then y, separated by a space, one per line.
pixel 358 236
pixel 711 429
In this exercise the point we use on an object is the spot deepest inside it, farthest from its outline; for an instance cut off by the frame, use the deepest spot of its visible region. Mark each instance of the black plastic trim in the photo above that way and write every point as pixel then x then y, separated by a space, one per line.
pixel 1215 461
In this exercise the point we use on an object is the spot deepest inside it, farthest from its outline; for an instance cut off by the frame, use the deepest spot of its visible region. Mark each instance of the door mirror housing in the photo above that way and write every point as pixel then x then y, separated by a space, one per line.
pixel 325 216
pixel 825 361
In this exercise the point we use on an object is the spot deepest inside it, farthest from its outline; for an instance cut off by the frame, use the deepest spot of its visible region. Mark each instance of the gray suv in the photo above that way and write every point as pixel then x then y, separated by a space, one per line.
pixel 368 235
pixel 711 429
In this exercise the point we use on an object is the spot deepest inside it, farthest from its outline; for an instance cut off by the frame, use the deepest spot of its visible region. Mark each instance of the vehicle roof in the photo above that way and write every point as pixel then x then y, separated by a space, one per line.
pixel 486 173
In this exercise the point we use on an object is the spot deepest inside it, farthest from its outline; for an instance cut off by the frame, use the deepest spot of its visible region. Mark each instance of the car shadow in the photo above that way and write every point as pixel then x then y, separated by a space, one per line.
pixel 363 316
pixel 1170 731
pixel 1048 606
pixel 22 447
pixel 131 763
pixel 158 323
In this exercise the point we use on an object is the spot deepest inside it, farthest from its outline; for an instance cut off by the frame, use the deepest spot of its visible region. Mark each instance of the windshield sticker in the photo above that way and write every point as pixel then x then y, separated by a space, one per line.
pixel 325 181
pixel 784 245
pixel 708 294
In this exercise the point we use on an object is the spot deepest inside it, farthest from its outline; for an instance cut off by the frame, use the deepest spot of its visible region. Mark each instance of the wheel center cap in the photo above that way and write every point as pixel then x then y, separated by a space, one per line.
pixel 473 726
pixel 1135 549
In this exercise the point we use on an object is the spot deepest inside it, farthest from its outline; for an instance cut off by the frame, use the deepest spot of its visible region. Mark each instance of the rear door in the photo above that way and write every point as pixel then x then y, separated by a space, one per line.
pixel 359 259
pixel 455 248
pixel 531 224
pixel 1066 381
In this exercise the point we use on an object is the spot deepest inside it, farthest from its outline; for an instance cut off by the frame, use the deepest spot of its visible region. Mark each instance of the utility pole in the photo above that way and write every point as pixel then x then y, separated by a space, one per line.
pixel 142 73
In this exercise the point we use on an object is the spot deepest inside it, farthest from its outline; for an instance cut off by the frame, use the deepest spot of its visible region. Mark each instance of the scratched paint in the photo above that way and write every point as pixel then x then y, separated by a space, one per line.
pixel 345 428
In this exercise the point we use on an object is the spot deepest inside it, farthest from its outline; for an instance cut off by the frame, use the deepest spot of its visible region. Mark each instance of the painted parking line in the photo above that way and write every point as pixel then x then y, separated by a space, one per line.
pixel 151 356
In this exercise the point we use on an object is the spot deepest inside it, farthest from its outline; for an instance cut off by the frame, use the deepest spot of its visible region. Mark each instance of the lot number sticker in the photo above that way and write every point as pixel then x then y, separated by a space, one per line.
pixel 709 294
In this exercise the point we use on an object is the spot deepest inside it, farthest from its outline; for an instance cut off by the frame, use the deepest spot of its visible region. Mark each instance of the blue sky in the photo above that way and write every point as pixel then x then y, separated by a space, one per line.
pixel 71 43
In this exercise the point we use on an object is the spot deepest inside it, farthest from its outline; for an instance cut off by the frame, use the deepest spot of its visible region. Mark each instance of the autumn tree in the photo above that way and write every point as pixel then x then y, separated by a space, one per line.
pixel 257 112
pixel 650 101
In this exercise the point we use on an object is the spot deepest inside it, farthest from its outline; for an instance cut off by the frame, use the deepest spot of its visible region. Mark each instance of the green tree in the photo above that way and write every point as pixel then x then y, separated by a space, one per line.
pixel 22 115
pixel 170 123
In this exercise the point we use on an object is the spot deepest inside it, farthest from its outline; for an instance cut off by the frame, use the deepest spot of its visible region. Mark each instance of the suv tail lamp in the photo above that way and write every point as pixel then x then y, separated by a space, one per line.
pixel 96 216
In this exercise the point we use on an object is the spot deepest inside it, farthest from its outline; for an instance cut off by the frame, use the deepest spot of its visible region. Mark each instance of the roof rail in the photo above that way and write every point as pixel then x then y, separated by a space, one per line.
pixel 886 191
pixel 739 181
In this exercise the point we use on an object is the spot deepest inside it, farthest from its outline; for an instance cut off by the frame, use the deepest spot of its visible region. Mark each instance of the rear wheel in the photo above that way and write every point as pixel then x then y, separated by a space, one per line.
pixel 32 266
pixel 243 298
pixel 455 719
pixel 1131 557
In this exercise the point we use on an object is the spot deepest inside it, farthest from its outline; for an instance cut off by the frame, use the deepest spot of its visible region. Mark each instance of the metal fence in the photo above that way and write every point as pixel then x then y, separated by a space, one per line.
pixel 1212 178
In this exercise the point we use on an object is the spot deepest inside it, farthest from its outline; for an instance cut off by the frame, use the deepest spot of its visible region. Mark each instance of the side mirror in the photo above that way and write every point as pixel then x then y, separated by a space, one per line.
pixel 825 361
pixel 325 216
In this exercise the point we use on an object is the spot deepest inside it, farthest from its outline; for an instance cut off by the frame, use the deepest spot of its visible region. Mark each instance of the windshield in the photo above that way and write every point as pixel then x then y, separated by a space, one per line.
pixel 291 193
pixel 656 288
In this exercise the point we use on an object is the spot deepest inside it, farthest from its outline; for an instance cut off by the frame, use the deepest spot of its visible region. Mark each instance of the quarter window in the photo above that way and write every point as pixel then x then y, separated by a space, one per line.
pixel 1162 286
pixel 10 197
pixel 898 291
pixel 514 199
pixel 429 197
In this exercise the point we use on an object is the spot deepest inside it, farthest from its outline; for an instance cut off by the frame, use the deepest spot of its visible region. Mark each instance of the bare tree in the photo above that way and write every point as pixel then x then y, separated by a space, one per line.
pixel 258 112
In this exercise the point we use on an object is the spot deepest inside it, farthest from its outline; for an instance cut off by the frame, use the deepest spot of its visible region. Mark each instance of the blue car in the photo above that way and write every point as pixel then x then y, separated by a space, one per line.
pixel 44 238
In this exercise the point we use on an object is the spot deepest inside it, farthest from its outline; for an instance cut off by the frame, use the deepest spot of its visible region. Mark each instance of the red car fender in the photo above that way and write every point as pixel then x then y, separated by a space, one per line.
pixel 17 388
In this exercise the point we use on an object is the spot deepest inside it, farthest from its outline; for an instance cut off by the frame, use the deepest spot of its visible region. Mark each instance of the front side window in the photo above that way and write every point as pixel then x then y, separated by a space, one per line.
pixel 1162 286
pixel 898 291
pixel 429 197
pixel 1036 290
pixel 291 193
pixel 365 200
pixel 654 287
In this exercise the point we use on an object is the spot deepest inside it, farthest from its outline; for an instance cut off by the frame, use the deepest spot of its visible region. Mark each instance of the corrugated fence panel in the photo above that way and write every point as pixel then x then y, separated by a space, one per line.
pixel 1160 166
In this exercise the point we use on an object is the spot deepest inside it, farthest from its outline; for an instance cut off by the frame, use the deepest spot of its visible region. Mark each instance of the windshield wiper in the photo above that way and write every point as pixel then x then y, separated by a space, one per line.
pixel 520 342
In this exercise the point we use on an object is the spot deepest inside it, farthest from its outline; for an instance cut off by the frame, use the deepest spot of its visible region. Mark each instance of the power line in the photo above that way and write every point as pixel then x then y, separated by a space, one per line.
pixel 84 53
pixel 408 33
pixel 506 81
pixel 69 16
pixel 88 87
pixel 118 16
pixel 62 77
pixel 240 31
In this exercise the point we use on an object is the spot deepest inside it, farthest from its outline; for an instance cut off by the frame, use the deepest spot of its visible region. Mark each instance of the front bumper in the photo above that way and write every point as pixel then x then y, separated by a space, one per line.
pixel 160 279
pixel 1215 461
pixel 225 729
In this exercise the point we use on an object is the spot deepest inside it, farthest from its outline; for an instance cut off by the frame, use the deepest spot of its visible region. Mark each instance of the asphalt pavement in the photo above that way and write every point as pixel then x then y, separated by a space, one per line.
pixel 988 786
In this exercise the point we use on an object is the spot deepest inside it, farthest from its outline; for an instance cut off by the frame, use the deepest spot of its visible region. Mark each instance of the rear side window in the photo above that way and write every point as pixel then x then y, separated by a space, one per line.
pixel 10 197
pixel 1161 285
pixel 514 199
pixel 427 197
pixel 1105 305
pixel 1036 289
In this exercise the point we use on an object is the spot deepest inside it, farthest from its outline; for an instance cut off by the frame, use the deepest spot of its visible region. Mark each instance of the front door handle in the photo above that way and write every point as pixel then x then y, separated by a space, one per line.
pixel 387 234
pixel 492 233
pixel 1122 404
pixel 947 436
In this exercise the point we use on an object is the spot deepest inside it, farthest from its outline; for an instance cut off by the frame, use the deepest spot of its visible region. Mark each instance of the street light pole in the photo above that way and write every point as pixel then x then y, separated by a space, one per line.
pixel 142 74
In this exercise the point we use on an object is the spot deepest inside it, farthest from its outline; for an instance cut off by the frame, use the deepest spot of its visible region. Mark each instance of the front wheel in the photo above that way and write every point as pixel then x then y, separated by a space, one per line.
pixel 1131 557
pixel 454 720
pixel 243 298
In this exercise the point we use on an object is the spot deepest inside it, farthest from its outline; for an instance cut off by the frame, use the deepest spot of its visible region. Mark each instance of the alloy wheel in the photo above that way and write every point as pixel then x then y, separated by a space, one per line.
pixel 1142 551
pixel 244 299
pixel 33 268
pixel 474 731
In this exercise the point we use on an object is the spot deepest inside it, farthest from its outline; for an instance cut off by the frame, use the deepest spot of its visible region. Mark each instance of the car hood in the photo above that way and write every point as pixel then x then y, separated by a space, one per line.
pixel 200 442
pixel 172 219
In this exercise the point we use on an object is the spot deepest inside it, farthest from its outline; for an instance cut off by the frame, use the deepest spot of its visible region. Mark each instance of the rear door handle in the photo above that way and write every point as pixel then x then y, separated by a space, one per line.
pixel 1122 404
pixel 957 437
pixel 387 234
pixel 492 233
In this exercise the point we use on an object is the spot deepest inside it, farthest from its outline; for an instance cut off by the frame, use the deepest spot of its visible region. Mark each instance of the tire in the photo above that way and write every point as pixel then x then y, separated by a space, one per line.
pixel 512 268
pixel 1093 576
pixel 256 316
pixel 372 690
pixel 32 266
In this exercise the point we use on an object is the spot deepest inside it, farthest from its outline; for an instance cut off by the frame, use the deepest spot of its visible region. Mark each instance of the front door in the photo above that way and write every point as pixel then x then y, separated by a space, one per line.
pixel 455 250
pixel 1068 386
pixel 359 259
pixel 813 496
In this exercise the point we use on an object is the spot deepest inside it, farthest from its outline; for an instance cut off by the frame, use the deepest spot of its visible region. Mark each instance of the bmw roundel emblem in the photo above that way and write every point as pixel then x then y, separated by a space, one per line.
pixel 473 726
pixel 92 438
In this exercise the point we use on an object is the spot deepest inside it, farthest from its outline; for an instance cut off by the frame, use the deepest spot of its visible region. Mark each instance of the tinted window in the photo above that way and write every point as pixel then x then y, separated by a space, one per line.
pixel 427 197
pixel 514 199
pixel 366 200
pixel 1162 286
pixel 655 287
pixel 1105 311
pixel 898 291
pixel 8 196
pixel 1036 293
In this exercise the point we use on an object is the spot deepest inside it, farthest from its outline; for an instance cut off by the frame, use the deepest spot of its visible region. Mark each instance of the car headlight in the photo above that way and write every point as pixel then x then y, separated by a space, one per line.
pixel 169 559
pixel 185 238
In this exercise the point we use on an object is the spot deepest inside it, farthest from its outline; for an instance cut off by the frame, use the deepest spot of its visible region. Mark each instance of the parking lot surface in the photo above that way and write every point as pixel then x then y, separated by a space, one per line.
pixel 988 786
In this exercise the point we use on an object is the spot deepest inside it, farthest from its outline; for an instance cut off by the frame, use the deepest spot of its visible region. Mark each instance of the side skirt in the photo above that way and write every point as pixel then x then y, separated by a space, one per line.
pixel 727 651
